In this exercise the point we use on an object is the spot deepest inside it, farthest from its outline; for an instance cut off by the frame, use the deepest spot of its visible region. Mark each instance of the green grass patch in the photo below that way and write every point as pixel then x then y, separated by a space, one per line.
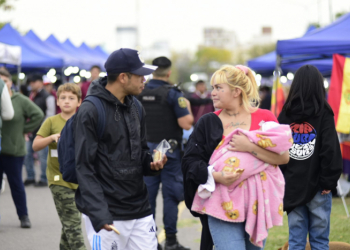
pixel 340 227
pixel 187 222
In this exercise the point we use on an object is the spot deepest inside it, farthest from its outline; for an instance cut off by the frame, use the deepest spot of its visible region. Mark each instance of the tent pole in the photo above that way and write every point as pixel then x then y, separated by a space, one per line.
pixel 18 72
pixel 277 75
pixel 62 76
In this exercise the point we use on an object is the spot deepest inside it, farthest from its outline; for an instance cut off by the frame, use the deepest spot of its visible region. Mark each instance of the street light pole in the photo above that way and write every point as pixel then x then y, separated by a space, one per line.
pixel 330 11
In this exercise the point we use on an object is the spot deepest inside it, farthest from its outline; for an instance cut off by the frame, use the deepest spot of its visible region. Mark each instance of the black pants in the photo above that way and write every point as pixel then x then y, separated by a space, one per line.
pixel 206 240
pixel 12 167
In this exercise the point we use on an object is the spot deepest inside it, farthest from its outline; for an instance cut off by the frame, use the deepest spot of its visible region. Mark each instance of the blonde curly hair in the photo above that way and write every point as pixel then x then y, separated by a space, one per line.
pixel 244 80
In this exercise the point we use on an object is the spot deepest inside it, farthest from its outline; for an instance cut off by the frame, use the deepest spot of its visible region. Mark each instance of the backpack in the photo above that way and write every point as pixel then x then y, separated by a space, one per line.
pixel 66 143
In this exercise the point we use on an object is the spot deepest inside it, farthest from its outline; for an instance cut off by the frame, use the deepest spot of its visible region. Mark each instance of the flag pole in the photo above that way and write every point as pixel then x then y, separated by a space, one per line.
pixel 276 79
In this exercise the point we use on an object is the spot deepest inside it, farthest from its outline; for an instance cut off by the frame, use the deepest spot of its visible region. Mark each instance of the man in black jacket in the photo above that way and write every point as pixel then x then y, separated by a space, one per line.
pixel 110 170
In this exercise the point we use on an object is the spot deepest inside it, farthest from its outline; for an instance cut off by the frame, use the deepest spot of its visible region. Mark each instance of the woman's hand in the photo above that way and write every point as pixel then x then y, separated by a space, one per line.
pixel 240 143
pixel 225 178
pixel 325 192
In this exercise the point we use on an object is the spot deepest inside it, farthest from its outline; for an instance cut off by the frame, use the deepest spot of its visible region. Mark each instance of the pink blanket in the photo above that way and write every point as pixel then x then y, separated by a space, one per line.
pixel 257 196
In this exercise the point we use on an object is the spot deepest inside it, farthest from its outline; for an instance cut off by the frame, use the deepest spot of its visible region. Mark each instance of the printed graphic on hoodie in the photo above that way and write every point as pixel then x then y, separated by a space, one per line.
pixel 304 136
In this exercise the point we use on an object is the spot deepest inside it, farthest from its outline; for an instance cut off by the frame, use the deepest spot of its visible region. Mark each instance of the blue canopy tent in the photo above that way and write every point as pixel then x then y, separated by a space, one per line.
pixel 32 57
pixel 81 54
pixel 324 42
pixel 85 64
pixel 92 55
pixel 101 52
pixel 266 64
pixel 51 49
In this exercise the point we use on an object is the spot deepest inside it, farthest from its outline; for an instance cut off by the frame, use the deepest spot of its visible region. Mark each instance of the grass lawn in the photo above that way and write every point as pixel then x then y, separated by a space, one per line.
pixel 340 227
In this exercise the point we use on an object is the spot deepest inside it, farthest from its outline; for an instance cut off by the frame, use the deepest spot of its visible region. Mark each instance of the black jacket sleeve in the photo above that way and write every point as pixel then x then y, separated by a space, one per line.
pixel 146 156
pixel 206 135
pixel 330 154
pixel 282 120
pixel 92 197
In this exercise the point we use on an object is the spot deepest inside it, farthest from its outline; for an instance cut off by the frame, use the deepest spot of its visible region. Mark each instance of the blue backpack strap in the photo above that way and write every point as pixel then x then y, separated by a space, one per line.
pixel 139 107
pixel 101 121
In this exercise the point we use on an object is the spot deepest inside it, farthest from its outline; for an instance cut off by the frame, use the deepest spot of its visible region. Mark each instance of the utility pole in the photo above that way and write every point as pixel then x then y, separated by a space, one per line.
pixel 137 19
pixel 330 11
pixel 319 12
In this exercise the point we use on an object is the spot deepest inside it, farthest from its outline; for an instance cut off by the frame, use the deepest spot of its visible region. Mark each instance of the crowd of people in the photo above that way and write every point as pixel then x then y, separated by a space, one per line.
pixel 239 170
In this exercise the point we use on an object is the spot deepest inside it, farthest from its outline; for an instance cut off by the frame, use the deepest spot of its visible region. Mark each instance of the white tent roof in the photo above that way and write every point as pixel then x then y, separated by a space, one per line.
pixel 10 54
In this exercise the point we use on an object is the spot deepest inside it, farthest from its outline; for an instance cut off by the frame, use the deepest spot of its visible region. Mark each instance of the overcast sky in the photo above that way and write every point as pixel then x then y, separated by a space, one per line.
pixel 180 22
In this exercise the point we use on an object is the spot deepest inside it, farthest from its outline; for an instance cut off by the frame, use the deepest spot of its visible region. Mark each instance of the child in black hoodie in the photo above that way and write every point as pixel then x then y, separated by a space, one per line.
pixel 315 160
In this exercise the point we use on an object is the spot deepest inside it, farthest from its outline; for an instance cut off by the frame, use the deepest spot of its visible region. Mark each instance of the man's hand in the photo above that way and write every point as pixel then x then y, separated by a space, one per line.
pixel 325 192
pixel 158 165
pixel 226 178
pixel 106 227
pixel 55 137
pixel 240 143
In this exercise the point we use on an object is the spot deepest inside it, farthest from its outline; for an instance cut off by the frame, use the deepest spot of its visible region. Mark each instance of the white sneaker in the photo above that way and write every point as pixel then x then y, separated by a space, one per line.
pixel 3 186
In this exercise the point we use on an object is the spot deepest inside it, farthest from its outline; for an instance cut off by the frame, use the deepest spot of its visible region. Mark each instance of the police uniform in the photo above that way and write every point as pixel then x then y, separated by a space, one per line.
pixel 164 104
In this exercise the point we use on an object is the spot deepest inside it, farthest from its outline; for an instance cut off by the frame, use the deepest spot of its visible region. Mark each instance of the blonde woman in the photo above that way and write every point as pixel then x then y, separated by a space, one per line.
pixel 235 94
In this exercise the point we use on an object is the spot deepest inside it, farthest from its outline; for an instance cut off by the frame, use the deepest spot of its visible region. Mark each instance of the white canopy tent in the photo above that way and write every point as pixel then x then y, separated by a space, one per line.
pixel 10 54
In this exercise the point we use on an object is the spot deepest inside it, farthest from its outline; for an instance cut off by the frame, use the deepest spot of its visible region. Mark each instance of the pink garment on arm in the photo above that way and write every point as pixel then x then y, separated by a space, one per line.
pixel 257 196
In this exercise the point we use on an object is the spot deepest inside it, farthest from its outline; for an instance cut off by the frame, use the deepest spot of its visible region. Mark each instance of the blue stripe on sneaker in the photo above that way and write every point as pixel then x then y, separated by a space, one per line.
pixel 100 241
pixel 93 243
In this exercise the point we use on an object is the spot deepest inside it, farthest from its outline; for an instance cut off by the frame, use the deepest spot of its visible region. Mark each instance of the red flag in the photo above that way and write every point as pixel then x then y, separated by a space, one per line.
pixel 339 93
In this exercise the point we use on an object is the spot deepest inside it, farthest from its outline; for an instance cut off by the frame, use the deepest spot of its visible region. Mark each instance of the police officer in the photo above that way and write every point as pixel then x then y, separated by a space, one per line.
pixel 167 115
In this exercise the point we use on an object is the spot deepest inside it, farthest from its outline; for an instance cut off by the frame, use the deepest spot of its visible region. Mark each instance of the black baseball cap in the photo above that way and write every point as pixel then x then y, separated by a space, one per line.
pixel 162 62
pixel 127 60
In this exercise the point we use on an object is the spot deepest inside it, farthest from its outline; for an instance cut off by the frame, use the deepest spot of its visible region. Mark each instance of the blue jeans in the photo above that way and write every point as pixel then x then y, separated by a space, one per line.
pixel 12 166
pixel 172 189
pixel 314 217
pixel 29 161
pixel 229 235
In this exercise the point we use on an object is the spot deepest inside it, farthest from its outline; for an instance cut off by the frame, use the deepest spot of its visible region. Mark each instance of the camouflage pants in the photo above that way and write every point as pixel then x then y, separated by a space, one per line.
pixel 70 217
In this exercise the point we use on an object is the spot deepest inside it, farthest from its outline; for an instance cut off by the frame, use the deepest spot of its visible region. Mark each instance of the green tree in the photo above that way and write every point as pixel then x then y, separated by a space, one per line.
pixel 5 5
pixel 182 67
pixel 208 56
pixel 339 14
pixel 317 25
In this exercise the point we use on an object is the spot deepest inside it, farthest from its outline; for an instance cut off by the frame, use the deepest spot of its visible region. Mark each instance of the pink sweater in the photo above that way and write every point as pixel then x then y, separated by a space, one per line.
pixel 257 196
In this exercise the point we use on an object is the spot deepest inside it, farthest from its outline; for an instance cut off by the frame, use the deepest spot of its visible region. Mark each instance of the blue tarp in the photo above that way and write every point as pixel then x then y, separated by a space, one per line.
pixel 101 52
pixel 85 64
pixel 266 64
pixel 334 38
pixel 51 49
pixel 81 54
pixel 92 55
pixel 32 57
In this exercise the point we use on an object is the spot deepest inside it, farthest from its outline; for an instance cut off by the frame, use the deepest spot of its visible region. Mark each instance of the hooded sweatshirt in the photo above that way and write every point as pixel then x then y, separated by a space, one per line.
pixel 27 118
pixel 110 170
pixel 315 157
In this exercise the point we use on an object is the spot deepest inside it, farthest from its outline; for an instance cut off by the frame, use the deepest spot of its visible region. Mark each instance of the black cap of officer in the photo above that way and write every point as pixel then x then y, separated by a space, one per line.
pixel 162 62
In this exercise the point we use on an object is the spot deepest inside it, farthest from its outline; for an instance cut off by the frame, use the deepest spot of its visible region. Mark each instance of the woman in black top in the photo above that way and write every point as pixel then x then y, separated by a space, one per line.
pixel 235 93
pixel 316 163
